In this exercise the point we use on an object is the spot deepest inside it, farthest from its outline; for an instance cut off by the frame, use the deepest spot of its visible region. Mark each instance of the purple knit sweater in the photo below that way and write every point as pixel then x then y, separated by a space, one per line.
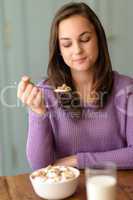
pixel 105 135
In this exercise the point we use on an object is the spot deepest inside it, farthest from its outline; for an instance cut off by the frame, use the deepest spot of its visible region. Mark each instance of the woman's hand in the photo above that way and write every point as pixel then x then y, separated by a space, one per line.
pixel 67 161
pixel 31 95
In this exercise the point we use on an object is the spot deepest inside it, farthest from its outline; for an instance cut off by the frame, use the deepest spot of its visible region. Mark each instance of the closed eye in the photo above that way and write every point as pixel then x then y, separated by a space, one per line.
pixel 66 45
pixel 85 39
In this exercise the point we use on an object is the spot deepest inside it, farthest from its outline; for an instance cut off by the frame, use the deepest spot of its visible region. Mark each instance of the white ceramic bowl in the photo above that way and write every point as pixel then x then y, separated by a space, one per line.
pixel 55 190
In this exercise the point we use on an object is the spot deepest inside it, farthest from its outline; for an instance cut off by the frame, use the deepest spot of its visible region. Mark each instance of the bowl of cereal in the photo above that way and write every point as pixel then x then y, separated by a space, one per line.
pixel 55 182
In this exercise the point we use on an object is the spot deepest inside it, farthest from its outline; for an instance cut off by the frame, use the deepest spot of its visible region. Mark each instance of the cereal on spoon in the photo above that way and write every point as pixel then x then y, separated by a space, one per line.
pixel 63 88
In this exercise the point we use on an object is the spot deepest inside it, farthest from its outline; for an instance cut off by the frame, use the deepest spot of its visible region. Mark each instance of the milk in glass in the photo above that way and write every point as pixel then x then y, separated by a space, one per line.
pixel 101 187
pixel 101 181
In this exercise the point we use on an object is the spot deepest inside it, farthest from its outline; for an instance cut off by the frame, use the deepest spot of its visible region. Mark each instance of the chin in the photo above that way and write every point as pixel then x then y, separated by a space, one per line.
pixel 81 68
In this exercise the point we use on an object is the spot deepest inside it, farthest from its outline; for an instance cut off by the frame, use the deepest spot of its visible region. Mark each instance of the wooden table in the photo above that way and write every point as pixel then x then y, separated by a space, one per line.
pixel 19 187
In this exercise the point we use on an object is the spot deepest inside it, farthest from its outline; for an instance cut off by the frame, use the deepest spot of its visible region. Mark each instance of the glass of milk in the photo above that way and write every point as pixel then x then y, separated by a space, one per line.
pixel 101 181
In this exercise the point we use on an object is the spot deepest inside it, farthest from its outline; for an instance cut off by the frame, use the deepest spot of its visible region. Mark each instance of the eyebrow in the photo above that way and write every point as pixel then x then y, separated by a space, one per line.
pixel 66 38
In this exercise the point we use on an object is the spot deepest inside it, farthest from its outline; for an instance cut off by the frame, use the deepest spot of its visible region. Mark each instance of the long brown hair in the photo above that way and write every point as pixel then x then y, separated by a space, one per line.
pixel 59 72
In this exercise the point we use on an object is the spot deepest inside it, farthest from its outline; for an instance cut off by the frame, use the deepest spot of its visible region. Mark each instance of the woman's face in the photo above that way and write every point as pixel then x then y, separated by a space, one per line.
pixel 78 43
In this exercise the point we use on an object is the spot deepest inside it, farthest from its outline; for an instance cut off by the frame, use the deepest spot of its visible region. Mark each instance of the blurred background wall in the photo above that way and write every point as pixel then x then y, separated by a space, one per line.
pixel 24 34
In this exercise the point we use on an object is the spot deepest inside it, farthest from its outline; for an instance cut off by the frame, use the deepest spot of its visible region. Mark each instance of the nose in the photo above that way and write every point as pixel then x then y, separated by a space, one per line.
pixel 77 49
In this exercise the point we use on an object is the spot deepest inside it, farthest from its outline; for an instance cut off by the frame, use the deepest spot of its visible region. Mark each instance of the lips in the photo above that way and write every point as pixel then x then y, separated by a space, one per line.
pixel 79 59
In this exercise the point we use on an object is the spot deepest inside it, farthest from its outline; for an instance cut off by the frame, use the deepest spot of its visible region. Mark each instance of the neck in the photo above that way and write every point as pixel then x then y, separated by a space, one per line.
pixel 82 80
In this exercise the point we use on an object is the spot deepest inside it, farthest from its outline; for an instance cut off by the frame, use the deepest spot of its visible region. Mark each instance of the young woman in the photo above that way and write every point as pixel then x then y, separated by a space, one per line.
pixel 93 120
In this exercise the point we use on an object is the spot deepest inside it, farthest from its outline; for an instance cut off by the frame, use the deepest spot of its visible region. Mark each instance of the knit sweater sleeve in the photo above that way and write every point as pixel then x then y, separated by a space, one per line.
pixel 123 157
pixel 40 148
pixel 40 142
